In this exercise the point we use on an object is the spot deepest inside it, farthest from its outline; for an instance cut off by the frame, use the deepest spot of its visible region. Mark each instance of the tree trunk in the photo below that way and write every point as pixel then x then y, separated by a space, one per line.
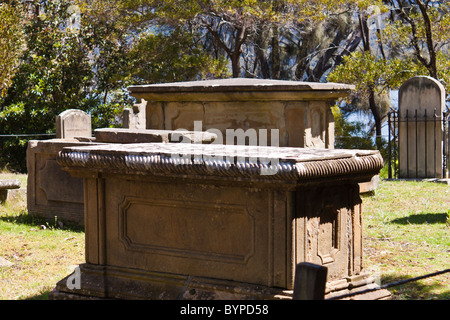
pixel 275 55
pixel 432 65
pixel 260 51
pixel 376 112
pixel 235 58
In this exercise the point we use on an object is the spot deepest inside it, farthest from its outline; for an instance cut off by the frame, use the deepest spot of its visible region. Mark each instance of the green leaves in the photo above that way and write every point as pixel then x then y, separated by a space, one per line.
pixel 172 56
pixel 11 43
pixel 55 73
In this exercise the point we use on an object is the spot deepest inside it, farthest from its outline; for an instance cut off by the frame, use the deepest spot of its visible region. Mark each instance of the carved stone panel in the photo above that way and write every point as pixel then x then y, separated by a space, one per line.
pixel 172 227
pixel 192 229
pixel 328 241
pixel 327 218
pixel 58 185
pixel 52 191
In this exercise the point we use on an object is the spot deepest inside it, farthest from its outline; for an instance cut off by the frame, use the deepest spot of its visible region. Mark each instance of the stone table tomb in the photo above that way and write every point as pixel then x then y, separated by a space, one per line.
pixel 192 221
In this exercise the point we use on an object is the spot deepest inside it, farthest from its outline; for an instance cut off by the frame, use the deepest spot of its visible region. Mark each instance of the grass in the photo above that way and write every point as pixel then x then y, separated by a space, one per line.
pixel 406 234
pixel 42 252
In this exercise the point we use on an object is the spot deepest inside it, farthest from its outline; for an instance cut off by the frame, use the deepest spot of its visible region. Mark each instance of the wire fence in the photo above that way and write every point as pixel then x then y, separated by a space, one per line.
pixel 33 135
pixel 419 143
pixel 13 149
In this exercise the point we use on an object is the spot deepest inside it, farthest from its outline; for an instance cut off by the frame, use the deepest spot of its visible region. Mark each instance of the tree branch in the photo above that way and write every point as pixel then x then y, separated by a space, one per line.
pixel 432 67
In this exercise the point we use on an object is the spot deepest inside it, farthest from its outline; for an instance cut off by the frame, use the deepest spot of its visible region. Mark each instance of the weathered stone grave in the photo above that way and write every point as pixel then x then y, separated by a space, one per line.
pixel 53 192
pixel 201 220
pixel 299 110
pixel 73 123
pixel 421 107
pixel 193 221
pixel 50 191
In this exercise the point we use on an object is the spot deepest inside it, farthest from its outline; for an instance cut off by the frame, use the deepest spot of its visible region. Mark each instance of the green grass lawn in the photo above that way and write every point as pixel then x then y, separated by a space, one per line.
pixel 406 234
pixel 41 252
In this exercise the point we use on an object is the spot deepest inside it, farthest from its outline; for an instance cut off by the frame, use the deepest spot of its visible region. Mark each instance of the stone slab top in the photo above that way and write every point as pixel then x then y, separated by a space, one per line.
pixel 240 84
pixel 119 135
pixel 232 161
pixel 262 88
pixel 9 184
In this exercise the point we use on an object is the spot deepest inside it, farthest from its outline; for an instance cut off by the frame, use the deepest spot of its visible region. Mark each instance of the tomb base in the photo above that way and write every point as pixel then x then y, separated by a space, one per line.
pixel 106 282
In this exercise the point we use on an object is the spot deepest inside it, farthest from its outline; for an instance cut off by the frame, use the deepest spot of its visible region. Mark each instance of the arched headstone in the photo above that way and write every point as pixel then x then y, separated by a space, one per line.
pixel 73 123
pixel 421 105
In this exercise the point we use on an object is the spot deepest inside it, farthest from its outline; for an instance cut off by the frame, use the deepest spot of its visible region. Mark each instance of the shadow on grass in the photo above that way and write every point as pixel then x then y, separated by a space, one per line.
pixel 31 220
pixel 423 218
pixel 415 290
pixel 42 296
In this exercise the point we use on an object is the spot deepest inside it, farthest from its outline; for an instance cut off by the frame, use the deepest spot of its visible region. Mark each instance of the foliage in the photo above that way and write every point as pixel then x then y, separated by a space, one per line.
pixel 350 134
pixel 400 39
pixel 10 44
pixel 54 75
pixel 419 32
pixel 172 56
pixel 266 39
pixel 84 53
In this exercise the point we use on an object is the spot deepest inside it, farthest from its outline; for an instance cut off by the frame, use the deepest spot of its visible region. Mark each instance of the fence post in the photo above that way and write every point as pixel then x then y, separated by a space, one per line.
pixel 310 281
pixel 389 147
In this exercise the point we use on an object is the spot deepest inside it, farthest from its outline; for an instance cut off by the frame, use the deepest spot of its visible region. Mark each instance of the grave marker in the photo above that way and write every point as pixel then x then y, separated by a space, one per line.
pixel 73 123
pixel 421 107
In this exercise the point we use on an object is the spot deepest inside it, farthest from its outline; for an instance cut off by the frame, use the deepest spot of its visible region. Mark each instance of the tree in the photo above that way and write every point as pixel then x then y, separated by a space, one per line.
pixel 259 38
pixel 413 40
pixel 65 64
pixel 11 44
pixel 419 33
pixel 159 46
pixel 53 75
pixel 171 57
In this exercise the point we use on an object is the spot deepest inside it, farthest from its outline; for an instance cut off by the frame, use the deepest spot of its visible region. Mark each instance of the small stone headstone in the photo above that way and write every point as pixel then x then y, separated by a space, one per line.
pixel 73 123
